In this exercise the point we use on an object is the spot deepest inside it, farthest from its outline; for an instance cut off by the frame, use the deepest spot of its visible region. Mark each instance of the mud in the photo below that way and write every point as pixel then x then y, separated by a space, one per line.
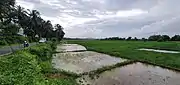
pixel 70 48
pixel 81 62
pixel 134 74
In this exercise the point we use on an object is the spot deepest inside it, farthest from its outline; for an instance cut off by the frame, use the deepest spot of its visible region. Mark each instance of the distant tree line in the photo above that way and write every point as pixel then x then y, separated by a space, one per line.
pixel 78 38
pixel 13 17
pixel 158 38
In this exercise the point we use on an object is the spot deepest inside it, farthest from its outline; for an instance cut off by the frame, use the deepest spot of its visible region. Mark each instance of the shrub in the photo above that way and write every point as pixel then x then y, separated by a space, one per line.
pixel 26 67
pixel 20 39
pixel 3 42
pixel 44 55
pixel 46 67
pixel 12 39
pixel 20 68
pixel 43 51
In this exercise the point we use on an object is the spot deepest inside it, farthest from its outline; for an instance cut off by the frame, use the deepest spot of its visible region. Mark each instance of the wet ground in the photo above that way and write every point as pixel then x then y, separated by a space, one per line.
pixel 70 48
pixel 80 62
pixel 134 74
pixel 160 51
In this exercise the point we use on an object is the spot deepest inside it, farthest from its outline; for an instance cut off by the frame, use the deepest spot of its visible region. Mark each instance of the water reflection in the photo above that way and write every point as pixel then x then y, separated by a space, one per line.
pixel 135 74
pixel 160 51
pixel 80 62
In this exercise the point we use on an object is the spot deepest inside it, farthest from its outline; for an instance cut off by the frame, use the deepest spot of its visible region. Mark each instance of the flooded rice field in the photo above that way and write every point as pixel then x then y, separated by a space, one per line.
pixel 160 51
pixel 71 60
pixel 134 74
pixel 80 62
pixel 70 48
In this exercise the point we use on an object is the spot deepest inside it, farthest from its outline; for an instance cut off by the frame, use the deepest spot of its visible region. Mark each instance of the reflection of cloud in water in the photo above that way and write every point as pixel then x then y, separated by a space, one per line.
pixel 160 51
pixel 134 74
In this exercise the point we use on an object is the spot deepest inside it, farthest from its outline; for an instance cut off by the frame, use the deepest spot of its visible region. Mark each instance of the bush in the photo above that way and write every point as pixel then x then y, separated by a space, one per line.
pixel 20 68
pixel 20 39
pixel 27 67
pixel 3 42
pixel 12 39
pixel 43 51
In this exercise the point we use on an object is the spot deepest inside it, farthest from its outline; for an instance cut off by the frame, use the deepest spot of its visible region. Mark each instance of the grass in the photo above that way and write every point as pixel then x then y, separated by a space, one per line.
pixel 30 67
pixel 128 50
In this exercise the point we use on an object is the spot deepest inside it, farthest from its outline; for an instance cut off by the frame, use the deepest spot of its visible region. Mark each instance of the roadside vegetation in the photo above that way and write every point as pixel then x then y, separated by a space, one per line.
pixel 128 50
pixel 18 24
pixel 31 66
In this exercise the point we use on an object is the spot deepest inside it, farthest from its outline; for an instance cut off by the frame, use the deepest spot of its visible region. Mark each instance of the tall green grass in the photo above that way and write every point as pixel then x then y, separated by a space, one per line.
pixel 29 66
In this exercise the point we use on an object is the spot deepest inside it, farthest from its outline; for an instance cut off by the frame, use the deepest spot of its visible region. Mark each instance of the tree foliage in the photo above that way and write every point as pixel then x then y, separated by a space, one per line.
pixel 13 17
pixel 175 38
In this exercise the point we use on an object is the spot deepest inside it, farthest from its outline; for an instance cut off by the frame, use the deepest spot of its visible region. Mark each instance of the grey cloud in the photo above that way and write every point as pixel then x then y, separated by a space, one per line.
pixel 162 16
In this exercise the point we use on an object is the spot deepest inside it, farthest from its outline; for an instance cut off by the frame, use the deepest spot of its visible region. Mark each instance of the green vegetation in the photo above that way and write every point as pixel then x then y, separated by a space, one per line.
pixel 13 18
pixel 12 40
pixel 159 38
pixel 128 50
pixel 30 67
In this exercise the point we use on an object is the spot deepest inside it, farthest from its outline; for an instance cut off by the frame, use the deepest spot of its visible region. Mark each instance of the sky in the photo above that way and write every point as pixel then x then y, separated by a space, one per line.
pixel 109 18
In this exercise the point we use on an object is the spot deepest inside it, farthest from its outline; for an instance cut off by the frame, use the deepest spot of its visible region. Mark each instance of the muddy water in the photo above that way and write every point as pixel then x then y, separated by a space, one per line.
pixel 160 51
pixel 70 48
pixel 80 62
pixel 134 74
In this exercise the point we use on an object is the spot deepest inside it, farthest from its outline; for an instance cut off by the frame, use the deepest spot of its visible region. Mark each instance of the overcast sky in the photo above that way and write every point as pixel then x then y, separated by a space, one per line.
pixel 106 18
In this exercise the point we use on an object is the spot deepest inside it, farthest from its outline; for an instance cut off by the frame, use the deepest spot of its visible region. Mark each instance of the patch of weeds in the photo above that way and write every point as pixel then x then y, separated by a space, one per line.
pixel 20 69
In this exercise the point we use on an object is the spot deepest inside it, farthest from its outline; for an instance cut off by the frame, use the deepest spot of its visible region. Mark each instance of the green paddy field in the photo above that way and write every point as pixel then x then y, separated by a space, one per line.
pixel 128 50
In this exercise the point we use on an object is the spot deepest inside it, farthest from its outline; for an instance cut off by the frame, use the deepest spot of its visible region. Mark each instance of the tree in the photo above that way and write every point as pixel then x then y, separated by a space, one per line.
pixel 5 8
pixel 122 38
pixel 165 37
pixel 47 29
pixel 144 39
pixel 129 38
pixel 135 38
pixel 12 18
pixel 10 29
pixel 154 37
pixel 175 38
pixel 59 31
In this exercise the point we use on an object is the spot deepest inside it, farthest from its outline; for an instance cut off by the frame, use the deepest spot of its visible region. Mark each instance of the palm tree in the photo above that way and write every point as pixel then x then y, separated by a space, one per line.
pixel 59 31
pixel 48 28
pixel 5 7
pixel 35 22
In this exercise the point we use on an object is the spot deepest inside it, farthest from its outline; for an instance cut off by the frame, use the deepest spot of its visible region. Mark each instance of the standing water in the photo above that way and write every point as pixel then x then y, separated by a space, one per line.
pixel 134 74
pixel 160 51
pixel 80 62
pixel 70 48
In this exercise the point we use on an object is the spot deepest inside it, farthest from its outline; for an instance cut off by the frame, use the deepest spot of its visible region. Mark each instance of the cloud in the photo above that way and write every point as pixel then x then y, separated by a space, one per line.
pixel 105 18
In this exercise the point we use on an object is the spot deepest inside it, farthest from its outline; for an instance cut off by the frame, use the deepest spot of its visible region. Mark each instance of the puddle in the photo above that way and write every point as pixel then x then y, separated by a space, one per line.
pixel 70 48
pixel 80 62
pixel 160 51
pixel 134 74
